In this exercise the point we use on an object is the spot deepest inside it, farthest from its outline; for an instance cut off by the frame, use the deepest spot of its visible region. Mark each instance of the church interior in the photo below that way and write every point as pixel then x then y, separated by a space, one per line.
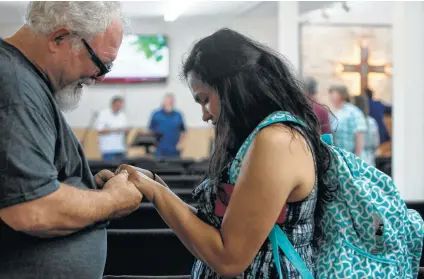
pixel 371 49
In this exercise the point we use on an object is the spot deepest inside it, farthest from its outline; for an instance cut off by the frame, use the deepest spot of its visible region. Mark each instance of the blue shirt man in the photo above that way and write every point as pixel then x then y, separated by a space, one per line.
pixel 376 110
pixel 169 124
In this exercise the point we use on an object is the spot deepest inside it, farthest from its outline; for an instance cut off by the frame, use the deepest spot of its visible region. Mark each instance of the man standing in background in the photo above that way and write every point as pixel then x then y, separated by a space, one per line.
pixel 376 110
pixel 320 111
pixel 112 126
pixel 169 125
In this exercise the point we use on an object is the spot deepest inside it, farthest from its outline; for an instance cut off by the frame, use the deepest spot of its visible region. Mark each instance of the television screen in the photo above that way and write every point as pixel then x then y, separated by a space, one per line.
pixel 141 58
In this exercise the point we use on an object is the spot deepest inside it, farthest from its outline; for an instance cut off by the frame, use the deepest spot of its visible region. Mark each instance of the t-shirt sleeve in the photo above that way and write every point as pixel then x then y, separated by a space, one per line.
pixel 27 151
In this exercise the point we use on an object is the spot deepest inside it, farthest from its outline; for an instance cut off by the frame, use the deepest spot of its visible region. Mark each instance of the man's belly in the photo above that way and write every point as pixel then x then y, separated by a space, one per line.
pixel 81 255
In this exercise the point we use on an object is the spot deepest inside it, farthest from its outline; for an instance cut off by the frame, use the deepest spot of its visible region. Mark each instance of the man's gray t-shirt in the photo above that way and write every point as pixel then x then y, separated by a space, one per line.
pixel 38 151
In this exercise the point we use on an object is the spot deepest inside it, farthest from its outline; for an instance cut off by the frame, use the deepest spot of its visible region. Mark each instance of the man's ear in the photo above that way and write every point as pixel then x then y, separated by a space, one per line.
pixel 56 39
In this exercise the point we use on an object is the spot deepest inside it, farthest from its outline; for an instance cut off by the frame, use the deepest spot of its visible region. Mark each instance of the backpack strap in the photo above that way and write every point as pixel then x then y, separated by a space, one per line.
pixel 276 117
pixel 279 239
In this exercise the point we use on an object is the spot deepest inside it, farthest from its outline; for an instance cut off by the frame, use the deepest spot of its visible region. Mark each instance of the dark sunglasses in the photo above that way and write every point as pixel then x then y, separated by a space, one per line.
pixel 104 68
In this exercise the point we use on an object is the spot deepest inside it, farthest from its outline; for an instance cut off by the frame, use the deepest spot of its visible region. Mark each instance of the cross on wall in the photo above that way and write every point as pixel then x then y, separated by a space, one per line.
pixel 364 68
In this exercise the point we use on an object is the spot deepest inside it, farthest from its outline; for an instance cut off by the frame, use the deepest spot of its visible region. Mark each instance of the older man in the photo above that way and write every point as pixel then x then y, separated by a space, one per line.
pixel 53 212
pixel 169 124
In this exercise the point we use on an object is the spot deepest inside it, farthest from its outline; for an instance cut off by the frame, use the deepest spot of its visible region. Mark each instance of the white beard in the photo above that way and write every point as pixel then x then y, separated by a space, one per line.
pixel 69 97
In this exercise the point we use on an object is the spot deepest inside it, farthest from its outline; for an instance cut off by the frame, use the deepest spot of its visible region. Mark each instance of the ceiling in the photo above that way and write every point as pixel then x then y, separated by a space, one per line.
pixel 14 11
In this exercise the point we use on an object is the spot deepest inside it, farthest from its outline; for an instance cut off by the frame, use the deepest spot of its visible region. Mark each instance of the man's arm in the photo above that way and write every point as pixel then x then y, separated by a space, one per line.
pixel 70 209
pixel 32 200
pixel 182 131
pixel 360 130
pixel 359 143
pixel 64 211
pixel 153 123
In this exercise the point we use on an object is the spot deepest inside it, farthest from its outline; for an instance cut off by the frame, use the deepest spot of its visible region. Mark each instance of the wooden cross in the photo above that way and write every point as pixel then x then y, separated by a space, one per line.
pixel 364 68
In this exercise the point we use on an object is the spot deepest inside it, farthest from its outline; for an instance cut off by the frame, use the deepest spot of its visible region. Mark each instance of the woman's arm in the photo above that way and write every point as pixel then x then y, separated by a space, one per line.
pixel 359 143
pixel 360 129
pixel 277 162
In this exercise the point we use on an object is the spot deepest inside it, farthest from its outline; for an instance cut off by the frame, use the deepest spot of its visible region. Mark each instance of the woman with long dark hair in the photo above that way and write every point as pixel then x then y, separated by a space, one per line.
pixel 238 83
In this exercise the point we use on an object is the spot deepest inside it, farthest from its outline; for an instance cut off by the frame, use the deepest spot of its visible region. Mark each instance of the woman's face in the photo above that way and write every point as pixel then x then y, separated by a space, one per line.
pixel 206 97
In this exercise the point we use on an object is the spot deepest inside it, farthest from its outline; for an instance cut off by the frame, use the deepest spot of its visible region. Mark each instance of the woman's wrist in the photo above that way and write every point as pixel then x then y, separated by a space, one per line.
pixel 158 192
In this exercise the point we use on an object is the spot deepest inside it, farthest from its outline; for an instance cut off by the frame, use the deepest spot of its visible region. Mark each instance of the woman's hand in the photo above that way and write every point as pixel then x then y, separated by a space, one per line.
pixel 144 183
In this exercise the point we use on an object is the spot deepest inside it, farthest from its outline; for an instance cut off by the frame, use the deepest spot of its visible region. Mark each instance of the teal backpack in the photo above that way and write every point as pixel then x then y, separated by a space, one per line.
pixel 368 232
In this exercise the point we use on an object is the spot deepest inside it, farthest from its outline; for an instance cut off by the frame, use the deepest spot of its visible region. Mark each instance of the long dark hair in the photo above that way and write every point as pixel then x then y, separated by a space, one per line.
pixel 252 82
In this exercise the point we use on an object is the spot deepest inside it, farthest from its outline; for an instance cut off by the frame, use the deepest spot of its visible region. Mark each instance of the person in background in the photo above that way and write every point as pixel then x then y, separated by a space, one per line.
pixel 376 109
pixel 168 123
pixel 53 212
pixel 349 126
pixel 112 126
pixel 372 138
pixel 385 149
pixel 320 111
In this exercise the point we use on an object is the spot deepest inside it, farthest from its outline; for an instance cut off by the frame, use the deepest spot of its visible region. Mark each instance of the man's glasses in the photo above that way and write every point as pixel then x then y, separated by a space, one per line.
pixel 104 68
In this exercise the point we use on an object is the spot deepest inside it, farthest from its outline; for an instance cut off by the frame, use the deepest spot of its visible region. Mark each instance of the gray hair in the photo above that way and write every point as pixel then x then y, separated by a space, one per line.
pixel 311 85
pixel 342 90
pixel 85 18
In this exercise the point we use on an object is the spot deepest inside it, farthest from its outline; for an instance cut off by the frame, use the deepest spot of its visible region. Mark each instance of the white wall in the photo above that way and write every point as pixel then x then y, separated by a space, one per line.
pixel 142 99
pixel 360 13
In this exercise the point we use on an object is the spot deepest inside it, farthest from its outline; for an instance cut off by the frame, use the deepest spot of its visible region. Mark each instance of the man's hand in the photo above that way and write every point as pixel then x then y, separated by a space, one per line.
pixel 142 179
pixel 131 170
pixel 147 173
pixel 124 194
pixel 102 177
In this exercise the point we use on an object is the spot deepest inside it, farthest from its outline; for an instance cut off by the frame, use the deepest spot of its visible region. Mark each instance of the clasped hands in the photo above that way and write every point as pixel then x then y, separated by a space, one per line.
pixel 128 185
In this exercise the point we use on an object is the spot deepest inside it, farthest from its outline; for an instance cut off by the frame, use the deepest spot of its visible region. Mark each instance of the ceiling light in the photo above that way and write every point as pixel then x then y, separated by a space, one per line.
pixel 174 9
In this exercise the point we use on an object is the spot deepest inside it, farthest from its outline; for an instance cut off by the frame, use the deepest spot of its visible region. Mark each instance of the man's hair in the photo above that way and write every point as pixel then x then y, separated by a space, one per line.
pixel 169 95
pixel 311 85
pixel 117 99
pixel 369 93
pixel 85 18
pixel 342 90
